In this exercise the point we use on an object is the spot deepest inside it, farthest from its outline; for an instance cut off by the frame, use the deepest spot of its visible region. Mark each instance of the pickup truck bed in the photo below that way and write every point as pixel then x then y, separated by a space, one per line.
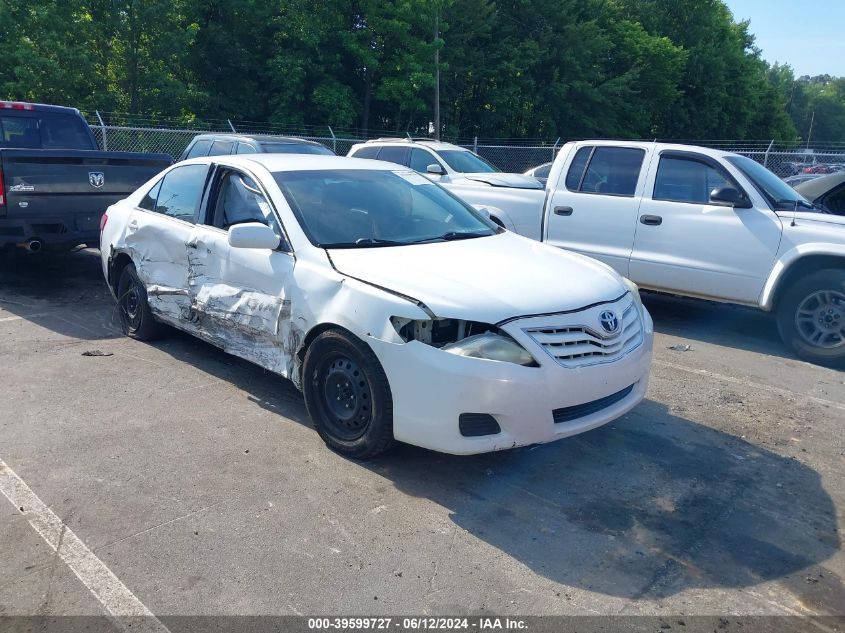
pixel 58 196
pixel 54 182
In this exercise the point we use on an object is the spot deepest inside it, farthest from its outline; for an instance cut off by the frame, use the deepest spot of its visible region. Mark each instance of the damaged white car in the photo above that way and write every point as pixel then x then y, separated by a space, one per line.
pixel 401 312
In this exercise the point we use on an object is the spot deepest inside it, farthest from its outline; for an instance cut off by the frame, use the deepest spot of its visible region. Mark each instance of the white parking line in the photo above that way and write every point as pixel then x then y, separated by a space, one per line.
pixel 750 384
pixel 112 594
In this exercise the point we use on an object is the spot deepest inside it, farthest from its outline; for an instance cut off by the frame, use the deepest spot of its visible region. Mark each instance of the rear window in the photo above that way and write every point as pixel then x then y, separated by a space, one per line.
pixel 611 171
pixel 48 130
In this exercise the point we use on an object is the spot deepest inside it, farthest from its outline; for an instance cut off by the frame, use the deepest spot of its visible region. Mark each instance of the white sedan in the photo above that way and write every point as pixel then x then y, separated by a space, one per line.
pixel 401 312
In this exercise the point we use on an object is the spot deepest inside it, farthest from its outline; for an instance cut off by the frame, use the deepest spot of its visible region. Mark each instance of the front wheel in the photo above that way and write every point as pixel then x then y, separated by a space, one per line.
pixel 811 317
pixel 347 395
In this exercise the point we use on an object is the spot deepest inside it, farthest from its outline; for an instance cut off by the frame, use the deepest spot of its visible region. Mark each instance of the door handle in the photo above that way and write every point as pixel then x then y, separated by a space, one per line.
pixel 563 210
pixel 651 220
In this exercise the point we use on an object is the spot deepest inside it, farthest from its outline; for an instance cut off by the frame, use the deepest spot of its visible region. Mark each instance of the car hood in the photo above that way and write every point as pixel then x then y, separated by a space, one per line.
pixel 496 179
pixel 488 279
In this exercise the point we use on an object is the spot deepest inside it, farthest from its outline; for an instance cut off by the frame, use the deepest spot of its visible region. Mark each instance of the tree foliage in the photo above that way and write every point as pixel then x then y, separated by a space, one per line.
pixel 509 68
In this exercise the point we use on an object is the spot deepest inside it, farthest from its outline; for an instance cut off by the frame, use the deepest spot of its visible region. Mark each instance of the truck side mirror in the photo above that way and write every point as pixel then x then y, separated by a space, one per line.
pixel 435 169
pixel 729 197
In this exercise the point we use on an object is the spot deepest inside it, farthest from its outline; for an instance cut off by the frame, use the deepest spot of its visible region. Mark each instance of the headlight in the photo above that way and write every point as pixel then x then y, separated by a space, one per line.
pixel 635 293
pixel 491 346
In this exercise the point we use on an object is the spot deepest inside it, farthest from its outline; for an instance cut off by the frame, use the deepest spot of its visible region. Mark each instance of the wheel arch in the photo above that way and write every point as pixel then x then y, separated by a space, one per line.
pixel 795 264
pixel 118 260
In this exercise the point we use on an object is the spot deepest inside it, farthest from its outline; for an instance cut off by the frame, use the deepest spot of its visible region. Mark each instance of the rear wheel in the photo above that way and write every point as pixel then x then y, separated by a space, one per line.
pixel 347 395
pixel 811 317
pixel 136 318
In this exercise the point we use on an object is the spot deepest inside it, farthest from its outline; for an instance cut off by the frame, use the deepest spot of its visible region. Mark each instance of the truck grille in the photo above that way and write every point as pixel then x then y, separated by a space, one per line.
pixel 578 344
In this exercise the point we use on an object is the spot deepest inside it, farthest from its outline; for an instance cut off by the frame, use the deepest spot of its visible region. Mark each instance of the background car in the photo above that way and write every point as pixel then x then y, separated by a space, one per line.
pixel 826 192
pixel 792 181
pixel 441 162
pixel 225 144
pixel 540 172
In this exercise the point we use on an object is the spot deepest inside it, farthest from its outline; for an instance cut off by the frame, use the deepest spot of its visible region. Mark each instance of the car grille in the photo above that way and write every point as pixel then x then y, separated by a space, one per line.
pixel 577 345
pixel 567 414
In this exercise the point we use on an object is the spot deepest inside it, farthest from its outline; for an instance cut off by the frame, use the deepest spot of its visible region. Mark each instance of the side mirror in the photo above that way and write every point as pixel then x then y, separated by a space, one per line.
pixel 729 197
pixel 253 235
pixel 435 169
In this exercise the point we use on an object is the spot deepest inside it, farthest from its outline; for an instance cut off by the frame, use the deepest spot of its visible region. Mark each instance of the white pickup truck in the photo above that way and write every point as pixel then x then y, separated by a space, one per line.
pixel 702 223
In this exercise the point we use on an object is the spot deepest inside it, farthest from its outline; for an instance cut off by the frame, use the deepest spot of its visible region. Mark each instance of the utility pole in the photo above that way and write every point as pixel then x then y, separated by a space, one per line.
pixel 436 71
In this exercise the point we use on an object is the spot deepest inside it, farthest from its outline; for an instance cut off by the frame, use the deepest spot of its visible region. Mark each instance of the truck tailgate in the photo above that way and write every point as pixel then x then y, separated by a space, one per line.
pixel 54 193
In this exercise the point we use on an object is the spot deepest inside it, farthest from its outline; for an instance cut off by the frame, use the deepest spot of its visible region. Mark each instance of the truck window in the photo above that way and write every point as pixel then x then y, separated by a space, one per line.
pixel 200 148
pixel 687 180
pixel 605 170
pixel 48 130
pixel 64 131
pixel 221 148
pixel 366 152
pixel 180 192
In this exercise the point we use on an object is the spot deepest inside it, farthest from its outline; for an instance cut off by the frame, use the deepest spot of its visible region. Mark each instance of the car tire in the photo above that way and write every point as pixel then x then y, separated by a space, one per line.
pixel 811 317
pixel 136 318
pixel 347 395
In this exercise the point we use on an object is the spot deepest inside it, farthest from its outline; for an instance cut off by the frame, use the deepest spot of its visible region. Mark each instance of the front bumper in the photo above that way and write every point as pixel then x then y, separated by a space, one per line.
pixel 432 388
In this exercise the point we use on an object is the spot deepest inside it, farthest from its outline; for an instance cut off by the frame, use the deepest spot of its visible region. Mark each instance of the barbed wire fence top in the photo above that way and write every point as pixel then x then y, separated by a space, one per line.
pixel 139 133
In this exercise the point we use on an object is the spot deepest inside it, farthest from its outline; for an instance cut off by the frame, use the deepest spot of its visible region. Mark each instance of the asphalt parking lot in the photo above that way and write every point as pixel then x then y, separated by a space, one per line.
pixel 198 481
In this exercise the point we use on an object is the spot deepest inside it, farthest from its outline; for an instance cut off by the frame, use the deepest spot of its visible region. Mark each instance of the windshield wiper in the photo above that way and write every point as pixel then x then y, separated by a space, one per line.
pixel 452 235
pixel 363 241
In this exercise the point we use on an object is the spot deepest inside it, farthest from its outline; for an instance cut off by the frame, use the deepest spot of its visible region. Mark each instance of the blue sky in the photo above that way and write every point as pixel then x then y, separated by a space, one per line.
pixel 809 36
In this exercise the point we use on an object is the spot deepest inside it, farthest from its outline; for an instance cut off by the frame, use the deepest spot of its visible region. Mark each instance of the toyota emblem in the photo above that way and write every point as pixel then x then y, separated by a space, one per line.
pixel 609 321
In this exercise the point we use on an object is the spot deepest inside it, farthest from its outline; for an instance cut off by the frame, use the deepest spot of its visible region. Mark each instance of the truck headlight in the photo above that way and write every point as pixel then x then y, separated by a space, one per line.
pixel 635 293
pixel 491 346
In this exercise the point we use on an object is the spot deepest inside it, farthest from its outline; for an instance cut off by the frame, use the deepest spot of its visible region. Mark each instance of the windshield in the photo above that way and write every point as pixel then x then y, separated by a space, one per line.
pixel 295 148
pixel 780 195
pixel 466 162
pixel 364 208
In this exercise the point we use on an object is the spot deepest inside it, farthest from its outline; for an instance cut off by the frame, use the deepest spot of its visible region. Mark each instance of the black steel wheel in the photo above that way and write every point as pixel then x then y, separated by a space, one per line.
pixel 347 395
pixel 136 318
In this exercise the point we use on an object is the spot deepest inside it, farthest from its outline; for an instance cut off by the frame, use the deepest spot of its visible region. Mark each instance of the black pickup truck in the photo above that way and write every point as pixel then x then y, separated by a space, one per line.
pixel 54 182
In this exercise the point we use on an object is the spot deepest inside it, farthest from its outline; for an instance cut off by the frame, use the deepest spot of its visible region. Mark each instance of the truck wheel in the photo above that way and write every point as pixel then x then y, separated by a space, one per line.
pixel 811 317
pixel 136 318
pixel 347 395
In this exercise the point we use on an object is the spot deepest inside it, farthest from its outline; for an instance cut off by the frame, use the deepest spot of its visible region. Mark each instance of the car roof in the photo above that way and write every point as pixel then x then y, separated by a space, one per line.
pixel 658 147
pixel 295 162
pixel 260 138
pixel 816 187
pixel 411 142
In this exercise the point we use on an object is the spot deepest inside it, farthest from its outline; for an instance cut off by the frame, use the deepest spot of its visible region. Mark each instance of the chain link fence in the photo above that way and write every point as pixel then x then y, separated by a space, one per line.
pixel 789 161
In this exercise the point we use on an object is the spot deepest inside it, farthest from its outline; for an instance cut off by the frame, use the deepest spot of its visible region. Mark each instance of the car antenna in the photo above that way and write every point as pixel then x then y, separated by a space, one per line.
pixel 794 211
